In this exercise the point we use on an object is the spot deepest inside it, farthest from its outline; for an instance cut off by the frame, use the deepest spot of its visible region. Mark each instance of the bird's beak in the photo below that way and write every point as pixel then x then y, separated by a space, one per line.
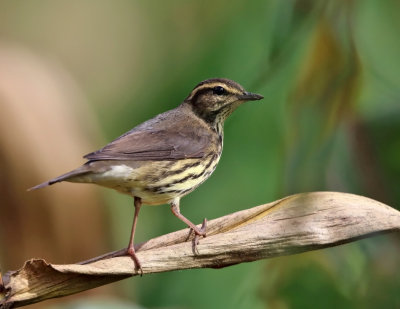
pixel 248 96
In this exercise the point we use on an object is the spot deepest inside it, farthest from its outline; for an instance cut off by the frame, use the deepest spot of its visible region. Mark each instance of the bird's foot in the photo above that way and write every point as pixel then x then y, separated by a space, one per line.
pixel 198 232
pixel 132 253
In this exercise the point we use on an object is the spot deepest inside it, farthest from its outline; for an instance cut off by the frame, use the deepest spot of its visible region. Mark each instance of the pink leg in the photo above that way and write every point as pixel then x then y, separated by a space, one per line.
pixel 198 231
pixel 131 248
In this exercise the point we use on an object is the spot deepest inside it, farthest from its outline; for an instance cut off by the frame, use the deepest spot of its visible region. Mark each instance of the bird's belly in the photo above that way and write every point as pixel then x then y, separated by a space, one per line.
pixel 157 182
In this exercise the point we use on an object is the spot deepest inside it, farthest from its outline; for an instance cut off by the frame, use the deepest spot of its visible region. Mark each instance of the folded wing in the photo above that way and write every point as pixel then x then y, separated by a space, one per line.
pixel 162 138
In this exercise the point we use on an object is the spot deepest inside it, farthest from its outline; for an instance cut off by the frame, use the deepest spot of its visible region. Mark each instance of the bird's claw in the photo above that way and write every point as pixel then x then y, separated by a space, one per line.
pixel 198 232
pixel 131 252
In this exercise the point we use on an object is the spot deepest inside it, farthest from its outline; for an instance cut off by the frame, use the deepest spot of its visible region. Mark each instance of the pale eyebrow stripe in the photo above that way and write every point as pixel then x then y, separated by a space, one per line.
pixel 212 85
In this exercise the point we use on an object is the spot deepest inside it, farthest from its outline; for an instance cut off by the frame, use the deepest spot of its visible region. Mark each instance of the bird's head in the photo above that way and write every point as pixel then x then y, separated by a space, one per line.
pixel 215 99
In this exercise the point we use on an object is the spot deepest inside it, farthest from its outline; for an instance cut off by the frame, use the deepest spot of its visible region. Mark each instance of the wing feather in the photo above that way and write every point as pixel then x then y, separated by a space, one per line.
pixel 169 136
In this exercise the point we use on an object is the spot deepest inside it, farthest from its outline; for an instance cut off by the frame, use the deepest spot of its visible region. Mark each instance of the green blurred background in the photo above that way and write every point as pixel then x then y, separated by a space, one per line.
pixel 76 74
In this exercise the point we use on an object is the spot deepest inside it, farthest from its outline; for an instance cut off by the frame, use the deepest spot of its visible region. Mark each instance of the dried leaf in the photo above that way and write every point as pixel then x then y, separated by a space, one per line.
pixel 298 223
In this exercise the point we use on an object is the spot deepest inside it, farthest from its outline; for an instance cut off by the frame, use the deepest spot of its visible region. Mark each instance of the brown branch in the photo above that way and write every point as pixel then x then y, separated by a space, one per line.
pixel 298 223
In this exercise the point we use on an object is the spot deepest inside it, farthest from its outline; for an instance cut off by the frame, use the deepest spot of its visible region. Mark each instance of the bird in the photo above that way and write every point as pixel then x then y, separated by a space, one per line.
pixel 166 157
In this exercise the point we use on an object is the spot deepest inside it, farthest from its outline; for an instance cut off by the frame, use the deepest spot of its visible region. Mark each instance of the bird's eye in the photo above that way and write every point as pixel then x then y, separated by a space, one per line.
pixel 219 90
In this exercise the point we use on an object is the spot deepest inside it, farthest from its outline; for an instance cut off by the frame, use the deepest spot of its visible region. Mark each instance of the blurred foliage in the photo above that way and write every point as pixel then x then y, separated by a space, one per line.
pixel 330 120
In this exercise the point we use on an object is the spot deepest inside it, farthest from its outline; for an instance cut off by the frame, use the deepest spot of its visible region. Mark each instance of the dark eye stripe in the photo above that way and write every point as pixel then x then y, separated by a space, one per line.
pixel 199 93
pixel 218 90
pixel 204 88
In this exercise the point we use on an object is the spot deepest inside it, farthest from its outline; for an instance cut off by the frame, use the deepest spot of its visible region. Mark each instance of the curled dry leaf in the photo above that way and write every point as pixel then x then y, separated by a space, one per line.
pixel 294 224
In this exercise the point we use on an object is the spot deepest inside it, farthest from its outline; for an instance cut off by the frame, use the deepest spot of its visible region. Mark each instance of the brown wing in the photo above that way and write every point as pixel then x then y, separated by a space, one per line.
pixel 169 136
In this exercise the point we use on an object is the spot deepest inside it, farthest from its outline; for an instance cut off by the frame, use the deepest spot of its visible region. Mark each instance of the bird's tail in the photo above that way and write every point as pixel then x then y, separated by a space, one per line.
pixel 65 177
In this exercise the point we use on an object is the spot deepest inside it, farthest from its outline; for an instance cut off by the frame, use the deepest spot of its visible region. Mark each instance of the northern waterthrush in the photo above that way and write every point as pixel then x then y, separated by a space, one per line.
pixel 167 157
